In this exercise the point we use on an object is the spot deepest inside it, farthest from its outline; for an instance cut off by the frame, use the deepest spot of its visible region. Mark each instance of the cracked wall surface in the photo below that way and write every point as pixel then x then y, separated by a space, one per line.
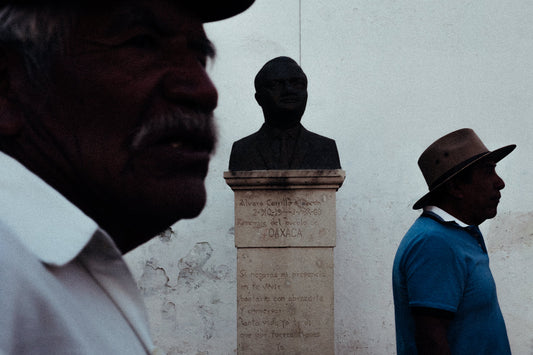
pixel 386 78
pixel 189 297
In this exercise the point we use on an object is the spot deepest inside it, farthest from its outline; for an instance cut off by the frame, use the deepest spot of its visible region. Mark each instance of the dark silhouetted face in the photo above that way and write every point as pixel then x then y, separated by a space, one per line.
pixel 481 193
pixel 127 122
pixel 282 93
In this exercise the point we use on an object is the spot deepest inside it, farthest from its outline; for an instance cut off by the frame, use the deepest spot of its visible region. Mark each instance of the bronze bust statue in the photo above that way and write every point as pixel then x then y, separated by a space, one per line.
pixel 282 142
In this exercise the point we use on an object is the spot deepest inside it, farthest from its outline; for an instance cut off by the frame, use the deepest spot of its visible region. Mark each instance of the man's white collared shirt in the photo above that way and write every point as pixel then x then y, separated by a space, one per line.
pixel 446 217
pixel 64 286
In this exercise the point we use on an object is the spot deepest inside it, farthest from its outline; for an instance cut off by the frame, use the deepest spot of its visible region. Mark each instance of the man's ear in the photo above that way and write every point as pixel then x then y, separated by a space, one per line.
pixel 11 121
pixel 455 189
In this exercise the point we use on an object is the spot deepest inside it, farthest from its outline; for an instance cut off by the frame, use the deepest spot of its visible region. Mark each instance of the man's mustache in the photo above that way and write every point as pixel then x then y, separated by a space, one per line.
pixel 187 128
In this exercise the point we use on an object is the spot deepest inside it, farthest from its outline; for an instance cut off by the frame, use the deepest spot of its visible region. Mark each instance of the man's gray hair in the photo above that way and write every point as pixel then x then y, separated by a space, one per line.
pixel 36 32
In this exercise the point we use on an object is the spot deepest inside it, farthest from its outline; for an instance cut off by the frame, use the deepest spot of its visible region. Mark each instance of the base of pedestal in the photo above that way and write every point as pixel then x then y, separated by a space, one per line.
pixel 285 301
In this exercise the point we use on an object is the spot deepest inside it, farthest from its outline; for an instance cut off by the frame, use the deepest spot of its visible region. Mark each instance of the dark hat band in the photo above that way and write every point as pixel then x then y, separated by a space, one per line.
pixel 455 169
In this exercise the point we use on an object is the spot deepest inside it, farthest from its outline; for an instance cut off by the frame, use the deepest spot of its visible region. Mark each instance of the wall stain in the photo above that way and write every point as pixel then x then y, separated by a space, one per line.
pixel 183 296
pixel 191 274
pixel 167 235
pixel 154 279
pixel 168 311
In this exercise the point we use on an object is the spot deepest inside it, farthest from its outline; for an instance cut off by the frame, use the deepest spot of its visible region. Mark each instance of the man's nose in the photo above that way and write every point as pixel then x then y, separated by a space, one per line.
pixel 289 86
pixel 185 80
pixel 499 184
pixel 191 86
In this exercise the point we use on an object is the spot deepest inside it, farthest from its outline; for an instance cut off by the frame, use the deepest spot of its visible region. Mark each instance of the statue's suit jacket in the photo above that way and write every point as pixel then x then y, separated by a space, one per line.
pixel 312 151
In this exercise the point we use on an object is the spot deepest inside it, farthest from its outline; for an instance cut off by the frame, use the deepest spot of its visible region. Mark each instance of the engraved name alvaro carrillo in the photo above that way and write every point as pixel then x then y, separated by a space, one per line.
pixel 279 218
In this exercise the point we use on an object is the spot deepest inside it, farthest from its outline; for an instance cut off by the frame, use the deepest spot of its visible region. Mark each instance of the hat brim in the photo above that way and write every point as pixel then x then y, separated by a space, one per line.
pixel 205 10
pixel 495 155
pixel 215 10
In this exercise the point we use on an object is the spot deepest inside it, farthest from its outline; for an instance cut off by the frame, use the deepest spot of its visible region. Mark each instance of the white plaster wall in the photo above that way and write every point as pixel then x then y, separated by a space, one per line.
pixel 386 78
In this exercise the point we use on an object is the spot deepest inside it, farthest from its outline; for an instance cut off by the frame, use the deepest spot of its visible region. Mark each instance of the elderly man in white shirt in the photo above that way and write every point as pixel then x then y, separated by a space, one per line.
pixel 105 138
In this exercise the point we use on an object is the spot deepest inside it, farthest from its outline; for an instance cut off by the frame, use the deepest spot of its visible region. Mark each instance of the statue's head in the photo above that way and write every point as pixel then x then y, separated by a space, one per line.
pixel 281 91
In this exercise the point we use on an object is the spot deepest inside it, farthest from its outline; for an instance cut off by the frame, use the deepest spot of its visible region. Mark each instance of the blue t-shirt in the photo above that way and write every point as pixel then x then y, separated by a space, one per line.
pixel 441 265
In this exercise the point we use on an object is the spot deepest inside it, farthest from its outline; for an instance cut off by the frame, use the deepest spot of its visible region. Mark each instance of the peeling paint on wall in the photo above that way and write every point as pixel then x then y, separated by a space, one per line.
pixel 153 280
pixel 190 295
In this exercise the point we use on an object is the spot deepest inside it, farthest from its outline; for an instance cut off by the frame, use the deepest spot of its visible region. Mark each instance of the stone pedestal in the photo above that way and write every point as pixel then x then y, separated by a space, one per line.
pixel 285 232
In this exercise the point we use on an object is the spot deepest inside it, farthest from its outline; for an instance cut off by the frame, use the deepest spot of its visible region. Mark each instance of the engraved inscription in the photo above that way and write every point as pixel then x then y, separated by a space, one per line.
pixel 278 218
pixel 285 299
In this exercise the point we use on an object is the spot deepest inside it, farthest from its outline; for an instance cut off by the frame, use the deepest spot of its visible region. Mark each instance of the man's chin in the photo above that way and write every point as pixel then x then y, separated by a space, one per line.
pixel 182 193
pixel 182 204
pixel 490 213
pixel 194 210
pixel 145 224
pixel 148 206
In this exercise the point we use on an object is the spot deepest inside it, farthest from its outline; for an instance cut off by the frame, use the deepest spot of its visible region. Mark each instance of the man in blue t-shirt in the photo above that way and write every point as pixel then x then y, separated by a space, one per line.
pixel 444 294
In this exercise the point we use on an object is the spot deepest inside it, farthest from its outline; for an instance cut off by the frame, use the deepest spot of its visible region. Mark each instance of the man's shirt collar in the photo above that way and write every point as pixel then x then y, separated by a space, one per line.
pixel 445 216
pixel 48 224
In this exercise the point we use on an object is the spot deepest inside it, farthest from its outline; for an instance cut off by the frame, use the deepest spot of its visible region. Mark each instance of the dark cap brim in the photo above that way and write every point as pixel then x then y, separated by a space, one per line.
pixel 495 155
pixel 215 10
pixel 205 10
